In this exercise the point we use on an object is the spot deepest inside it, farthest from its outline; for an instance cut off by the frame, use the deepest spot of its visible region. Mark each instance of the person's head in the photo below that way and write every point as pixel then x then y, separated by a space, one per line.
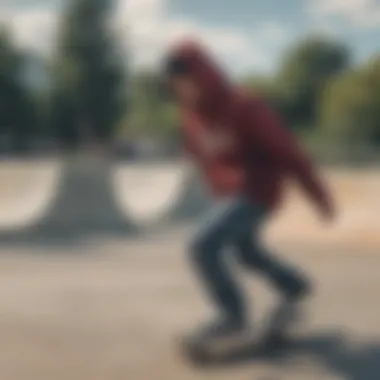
pixel 192 77
pixel 181 81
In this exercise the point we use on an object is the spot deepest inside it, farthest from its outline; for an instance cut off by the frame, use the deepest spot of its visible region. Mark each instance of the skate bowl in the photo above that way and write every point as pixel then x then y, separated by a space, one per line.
pixel 94 196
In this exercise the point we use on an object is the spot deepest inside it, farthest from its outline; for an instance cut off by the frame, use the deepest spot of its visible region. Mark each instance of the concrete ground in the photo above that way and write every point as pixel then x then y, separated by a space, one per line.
pixel 114 310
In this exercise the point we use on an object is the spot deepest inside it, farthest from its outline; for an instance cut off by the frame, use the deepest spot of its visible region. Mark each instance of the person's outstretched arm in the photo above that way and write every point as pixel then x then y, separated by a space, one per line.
pixel 266 128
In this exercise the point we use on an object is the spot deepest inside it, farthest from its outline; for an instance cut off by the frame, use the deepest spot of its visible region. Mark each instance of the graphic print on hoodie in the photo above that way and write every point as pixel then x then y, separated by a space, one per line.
pixel 240 145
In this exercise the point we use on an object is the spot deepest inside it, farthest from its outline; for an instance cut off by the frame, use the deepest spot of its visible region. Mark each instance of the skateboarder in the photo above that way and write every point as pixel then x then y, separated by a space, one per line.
pixel 245 155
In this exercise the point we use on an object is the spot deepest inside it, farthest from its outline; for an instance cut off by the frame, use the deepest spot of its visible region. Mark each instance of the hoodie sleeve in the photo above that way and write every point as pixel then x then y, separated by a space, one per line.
pixel 269 133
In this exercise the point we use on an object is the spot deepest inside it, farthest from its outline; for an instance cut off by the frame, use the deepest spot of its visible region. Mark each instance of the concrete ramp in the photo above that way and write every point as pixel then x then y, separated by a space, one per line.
pixel 26 192
pixel 147 193
pixel 73 198
pixel 94 195
pixel 85 200
pixel 164 193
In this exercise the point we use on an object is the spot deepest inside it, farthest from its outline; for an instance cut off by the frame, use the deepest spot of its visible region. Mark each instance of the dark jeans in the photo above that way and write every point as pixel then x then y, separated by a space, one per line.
pixel 235 222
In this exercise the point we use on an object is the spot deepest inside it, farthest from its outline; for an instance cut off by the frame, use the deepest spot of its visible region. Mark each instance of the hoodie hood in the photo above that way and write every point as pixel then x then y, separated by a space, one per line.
pixel 213 85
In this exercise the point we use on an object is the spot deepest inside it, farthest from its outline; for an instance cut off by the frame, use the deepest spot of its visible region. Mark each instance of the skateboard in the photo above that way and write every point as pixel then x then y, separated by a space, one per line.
pixel 202 352
pixel 274 337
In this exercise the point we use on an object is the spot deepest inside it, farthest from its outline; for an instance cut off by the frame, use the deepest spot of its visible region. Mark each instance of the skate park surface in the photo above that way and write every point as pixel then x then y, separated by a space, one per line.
pixel 114 307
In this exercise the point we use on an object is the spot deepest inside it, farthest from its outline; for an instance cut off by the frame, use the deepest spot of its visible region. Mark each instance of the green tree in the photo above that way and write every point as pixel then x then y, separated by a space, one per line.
pixel 259 84
pixel 266 88
pixel 350 108
pixel 151 112
pixel 17 106
pixel 89 93
pixel 263 86
pixel 305 70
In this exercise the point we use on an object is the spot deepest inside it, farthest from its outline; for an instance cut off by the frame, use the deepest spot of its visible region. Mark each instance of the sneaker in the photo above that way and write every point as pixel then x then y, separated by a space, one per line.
pixel 220 330
pixel 289 311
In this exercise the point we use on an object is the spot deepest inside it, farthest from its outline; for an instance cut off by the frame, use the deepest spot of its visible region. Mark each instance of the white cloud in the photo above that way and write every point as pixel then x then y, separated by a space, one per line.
pixel 152 30
pixel 146 29
pixel 274 33
pixel 33 28
pixel 359 13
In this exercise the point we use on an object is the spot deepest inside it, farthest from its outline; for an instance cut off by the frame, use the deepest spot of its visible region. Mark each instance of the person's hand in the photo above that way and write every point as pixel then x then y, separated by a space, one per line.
pixel 327 210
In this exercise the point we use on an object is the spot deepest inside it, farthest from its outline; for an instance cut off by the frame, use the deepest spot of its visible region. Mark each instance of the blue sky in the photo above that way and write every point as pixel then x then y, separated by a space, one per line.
pixel 264 21
pixel 247 35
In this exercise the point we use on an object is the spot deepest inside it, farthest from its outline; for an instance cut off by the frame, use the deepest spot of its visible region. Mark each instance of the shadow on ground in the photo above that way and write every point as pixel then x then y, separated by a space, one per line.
pixel 332 353
pixel 68 239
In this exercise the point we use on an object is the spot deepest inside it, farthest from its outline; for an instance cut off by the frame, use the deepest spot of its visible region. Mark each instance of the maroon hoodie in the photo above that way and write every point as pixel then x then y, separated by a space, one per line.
pixel 238 142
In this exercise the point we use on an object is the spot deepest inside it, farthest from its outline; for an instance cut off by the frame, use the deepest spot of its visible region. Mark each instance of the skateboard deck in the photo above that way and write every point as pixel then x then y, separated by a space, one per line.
pixel 270 339
pixel 208 352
